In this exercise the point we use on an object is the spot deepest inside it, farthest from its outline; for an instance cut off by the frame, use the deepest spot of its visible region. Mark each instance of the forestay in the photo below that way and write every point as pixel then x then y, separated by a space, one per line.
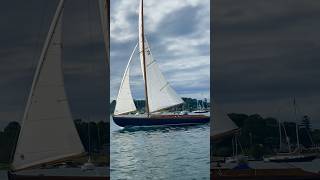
pixel 48 133
pixel 124 102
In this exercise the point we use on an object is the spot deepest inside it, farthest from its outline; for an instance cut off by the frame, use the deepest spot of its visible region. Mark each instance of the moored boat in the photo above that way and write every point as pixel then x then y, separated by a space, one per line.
pixel 291 158
pixel 265 174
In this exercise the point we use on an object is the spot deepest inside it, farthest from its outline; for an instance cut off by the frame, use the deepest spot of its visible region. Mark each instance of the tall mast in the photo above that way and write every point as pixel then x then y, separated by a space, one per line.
pixel 143 58
pixel 297 128
pixel 280 136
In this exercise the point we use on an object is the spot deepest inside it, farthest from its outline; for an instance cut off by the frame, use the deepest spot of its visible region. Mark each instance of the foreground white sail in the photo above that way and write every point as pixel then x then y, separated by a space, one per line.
pixel 48 133
pixel 124 102
pixel 222 124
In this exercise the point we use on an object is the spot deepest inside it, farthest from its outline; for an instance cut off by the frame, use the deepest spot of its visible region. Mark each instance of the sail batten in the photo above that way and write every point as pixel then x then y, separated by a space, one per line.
pixel 124 102
pixel 47 132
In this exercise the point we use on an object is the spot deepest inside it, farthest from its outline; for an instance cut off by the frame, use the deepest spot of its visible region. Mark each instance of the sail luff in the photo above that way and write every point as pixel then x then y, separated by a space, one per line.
pixel 129 98
pixel 143 55
pixel 128 65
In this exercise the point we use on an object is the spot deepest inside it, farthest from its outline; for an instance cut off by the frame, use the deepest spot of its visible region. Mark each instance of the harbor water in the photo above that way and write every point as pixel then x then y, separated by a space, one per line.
pixel 160 153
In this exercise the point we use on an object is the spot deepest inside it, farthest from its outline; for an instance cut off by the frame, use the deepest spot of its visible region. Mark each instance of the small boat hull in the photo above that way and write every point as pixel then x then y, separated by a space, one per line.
pixel 12 176
pixel 160 120
pixel 266 174
pixel 301 158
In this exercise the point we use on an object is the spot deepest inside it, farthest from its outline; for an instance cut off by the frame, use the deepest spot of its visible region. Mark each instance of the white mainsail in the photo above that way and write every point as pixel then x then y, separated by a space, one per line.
pixel 48 133
pixel 222 124
pixel 160 93
pixel 124 102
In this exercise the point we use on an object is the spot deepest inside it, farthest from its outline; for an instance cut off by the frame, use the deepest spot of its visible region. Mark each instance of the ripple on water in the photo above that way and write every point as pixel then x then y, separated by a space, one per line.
pixel 160 153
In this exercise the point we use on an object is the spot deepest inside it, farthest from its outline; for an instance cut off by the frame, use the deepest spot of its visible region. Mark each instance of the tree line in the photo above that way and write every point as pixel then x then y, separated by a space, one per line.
pixel 260 136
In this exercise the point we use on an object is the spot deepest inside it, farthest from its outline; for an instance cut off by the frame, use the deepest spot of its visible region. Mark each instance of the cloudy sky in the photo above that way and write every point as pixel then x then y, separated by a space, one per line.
pixel 178 32
pixel 265 53
pixel 24 25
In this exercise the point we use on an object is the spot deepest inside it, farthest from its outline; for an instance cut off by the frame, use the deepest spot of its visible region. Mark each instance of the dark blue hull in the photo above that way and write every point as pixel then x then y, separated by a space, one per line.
pixel 160 120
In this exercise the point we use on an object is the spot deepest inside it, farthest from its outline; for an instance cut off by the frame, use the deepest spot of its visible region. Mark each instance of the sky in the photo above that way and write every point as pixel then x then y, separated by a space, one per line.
pixel 265 53
pixel 178 32
pixel 24 25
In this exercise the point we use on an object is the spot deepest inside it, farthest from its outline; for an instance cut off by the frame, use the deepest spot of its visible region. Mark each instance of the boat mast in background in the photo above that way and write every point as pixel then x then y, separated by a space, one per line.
pixel 297 126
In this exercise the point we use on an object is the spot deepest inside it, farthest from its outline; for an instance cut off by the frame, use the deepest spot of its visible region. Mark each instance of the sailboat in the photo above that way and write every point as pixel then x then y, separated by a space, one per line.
pixel 237 167
pixel 159 95
pixel 291 156
pixel 48 134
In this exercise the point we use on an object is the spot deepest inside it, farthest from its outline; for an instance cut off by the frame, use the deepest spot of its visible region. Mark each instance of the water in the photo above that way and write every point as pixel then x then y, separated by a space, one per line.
pixel 160 153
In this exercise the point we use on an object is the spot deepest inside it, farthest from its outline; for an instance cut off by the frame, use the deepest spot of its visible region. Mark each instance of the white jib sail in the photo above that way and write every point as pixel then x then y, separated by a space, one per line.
pixel 124 102
pixel 48 132
pixel 221 122
pixel 160 93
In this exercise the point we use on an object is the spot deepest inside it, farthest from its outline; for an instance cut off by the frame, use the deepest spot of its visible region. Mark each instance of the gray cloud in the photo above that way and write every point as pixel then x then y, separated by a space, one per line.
pixel 178 33
pixel 266 53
